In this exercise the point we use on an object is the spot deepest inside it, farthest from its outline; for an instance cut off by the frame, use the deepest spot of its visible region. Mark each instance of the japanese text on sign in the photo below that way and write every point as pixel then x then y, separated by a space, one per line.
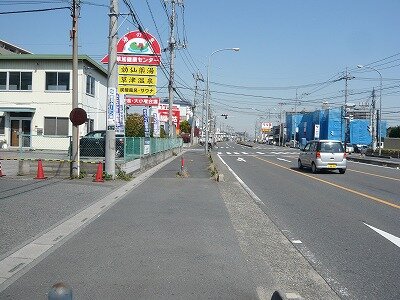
pixel 137 90
pixel 142 101
pixel 139 59
pixel 137 70
pixel 137 80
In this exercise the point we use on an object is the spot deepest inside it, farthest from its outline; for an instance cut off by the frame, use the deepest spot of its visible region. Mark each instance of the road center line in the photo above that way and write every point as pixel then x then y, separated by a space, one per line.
pixel 335 185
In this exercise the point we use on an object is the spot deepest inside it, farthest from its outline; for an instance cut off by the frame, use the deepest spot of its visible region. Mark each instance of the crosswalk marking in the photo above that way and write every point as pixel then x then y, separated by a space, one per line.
pixel 286 154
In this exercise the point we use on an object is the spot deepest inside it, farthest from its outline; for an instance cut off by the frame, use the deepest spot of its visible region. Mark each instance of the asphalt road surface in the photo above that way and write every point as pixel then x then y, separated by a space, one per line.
pixel 346 225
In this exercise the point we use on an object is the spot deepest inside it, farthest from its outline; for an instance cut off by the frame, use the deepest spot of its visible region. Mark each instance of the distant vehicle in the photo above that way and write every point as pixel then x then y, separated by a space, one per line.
pixel 94 144
pixel 323 154
pixel 350 148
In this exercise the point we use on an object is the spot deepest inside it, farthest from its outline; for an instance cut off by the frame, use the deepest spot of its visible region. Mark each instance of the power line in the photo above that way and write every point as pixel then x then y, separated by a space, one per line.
pixel 33 10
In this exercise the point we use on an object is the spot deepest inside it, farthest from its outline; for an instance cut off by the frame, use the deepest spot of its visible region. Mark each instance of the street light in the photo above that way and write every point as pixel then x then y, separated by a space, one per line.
pixel 380 106
pixel 208 90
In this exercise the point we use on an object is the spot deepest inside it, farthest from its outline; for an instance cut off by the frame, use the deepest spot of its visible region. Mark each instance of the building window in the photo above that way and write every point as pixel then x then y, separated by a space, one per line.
pixel 57 81
pixel 17 81
pixel 56 126
pixel 2 120
pixel 90 85
pixel 3 80
pixel 89 125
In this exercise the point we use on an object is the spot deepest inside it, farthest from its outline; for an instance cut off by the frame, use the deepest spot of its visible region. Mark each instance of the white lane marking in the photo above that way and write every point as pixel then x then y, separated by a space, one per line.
pixel 244 153
pixel 261 153
pixel 228 153
pixel 283 159
pixel 394 239
pixel 240 159
pixel 248 190
pixel 237 153
pixel 219 152
pixel 297 242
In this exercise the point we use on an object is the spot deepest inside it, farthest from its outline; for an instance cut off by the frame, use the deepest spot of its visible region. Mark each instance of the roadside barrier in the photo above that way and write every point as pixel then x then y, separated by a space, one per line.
pixel 1 171
pixel 40 172
pixel 99 173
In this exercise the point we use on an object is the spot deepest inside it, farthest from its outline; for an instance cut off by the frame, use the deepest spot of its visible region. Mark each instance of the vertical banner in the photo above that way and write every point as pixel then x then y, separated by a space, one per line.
pixel 146 131
pixel 120 114
pixel 112 94
pixel 316 131
pixel 156 127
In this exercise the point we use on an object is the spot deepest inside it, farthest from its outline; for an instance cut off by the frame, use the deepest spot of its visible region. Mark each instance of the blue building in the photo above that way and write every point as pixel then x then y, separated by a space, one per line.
pixel 328 124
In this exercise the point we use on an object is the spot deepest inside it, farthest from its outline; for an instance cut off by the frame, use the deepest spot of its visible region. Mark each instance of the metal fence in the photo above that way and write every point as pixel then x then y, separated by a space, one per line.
pixel 59 148
pixel 135 146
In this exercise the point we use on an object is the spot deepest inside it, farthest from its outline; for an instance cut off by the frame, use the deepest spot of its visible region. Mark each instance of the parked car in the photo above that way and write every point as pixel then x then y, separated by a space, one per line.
pixel 323 154
pixel 94 144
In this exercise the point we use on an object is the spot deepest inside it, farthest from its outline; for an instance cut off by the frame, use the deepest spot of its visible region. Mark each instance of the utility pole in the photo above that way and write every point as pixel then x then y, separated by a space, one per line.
pixel 373 130
pixel 295 121
pixel 196 78
pixel 346 122
pixel 203 108
pixel 172 46
pixel 75 167
pixel 280 124
pixel 111 89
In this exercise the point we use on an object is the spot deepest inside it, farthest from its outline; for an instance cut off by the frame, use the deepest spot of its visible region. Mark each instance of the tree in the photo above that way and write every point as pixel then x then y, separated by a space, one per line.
pixel 394 132
pixel 134 125
pixel 185 126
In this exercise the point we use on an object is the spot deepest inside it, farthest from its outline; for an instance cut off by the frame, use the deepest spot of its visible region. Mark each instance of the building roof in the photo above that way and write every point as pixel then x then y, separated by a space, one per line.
pixel 8 48
pixel 54 57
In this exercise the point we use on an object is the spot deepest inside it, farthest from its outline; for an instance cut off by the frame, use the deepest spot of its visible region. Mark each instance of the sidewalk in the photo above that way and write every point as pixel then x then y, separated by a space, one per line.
pixel 165 236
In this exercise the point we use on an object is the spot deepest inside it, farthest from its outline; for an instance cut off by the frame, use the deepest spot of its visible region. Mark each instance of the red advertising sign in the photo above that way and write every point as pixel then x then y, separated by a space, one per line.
pixel 176 115
pixel 137 48
pixel 137 101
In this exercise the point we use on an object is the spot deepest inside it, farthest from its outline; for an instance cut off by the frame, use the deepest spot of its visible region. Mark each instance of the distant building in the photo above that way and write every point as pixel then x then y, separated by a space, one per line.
pixel 7 48
pixel 330 124
pixel 36 95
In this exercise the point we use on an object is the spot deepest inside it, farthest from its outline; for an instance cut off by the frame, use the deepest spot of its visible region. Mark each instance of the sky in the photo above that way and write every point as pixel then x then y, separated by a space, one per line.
pixel 287 48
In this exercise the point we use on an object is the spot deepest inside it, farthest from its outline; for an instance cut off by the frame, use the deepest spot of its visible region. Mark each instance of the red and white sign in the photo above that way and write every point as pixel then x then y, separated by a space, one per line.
pixel 176 115
pixel 137 48
pixel 266 126
pixel 137 101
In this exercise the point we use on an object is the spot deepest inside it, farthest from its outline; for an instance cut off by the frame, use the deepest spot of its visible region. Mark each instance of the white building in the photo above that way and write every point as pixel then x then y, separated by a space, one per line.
pixel 36 96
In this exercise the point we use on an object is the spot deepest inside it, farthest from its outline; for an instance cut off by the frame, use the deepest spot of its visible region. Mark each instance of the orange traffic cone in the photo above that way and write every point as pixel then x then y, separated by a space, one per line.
pixel 99 173
pixel 40 173
pixel 1 172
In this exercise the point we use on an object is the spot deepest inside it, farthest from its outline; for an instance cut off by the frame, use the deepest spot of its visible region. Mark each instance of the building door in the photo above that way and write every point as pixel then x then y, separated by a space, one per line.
pixel 14 133
pixel 23 126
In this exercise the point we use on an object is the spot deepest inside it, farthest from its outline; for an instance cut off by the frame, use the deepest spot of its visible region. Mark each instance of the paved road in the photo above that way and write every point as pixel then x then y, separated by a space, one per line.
pixel 160 236
pixel 332 219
